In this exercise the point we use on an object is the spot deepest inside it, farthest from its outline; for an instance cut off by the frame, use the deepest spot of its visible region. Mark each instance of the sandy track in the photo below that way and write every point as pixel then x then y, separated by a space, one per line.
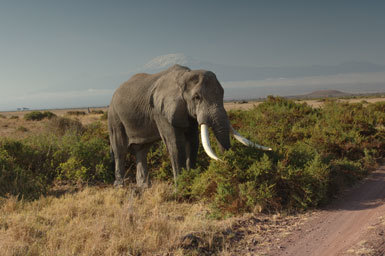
pixel 340 227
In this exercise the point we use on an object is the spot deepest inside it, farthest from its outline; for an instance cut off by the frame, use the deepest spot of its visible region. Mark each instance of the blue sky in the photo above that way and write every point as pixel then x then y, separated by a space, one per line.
pixel 73 53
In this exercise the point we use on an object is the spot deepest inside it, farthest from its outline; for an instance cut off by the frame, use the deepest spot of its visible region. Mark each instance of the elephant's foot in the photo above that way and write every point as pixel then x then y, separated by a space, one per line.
pixel 142 179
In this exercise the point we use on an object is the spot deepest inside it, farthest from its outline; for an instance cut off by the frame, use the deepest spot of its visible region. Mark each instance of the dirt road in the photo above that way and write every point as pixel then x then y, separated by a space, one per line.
pixel 352 225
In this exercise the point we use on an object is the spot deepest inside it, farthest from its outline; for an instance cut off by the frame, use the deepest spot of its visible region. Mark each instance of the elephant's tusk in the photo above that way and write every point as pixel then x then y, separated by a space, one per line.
pixel 246 142
pixel 206 142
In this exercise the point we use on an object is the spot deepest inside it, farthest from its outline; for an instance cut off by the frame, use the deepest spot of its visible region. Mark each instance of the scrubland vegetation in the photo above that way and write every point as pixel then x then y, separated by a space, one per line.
pixel 57 198
pixel 76 113
pixel 38 115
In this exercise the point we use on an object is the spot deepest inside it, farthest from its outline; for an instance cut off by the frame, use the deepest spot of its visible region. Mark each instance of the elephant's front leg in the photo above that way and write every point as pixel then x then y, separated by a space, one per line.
pixel 192 145
pixel 176 146
pixel 175 141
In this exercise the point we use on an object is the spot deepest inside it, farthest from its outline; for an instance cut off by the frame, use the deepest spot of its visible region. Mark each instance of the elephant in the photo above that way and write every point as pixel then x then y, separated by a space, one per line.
pixel 168 106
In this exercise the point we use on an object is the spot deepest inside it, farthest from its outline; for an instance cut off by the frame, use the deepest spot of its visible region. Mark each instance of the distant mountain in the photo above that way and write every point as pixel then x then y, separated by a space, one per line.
pixel 243 73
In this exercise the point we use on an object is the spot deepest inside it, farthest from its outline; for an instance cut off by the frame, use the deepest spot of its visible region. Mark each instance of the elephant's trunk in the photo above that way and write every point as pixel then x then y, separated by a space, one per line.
pixel 222 134
pixel 222 129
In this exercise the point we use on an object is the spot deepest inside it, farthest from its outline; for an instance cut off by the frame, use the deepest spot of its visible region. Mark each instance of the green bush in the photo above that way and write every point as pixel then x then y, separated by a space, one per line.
pixel 48 114
pixel 378 110
pixel 104 116
pixel 38 115
pixel 22 129
pixel 86 155
pixel 34 116
pixel 317 152
pixel 185 182
pixel 62 125
pixel 97 112
pixel 15 180
pixel 76 113
pixel 28 166
pixel 73 169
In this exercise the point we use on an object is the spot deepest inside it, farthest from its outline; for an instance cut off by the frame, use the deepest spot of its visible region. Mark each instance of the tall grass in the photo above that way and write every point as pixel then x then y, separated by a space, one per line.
pixel 101 222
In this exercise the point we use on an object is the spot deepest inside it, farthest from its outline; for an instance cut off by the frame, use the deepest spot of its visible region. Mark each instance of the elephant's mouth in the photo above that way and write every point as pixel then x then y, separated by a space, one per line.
pixel 237 136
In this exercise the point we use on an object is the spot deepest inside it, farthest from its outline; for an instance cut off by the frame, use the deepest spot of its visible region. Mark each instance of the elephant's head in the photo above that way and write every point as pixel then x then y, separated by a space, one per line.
pixel 199 95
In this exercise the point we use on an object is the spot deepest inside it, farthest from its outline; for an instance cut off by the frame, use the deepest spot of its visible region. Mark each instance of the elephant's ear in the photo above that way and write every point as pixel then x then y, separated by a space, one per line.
pixel 167 100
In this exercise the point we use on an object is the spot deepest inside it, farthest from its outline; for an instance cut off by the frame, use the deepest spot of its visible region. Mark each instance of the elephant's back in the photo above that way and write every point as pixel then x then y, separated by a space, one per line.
pixel 137 85
pixel 143 81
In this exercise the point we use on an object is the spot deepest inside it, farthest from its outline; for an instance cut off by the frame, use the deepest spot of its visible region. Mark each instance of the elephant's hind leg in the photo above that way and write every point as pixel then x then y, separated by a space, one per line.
pixel 119 144
pixel 142 177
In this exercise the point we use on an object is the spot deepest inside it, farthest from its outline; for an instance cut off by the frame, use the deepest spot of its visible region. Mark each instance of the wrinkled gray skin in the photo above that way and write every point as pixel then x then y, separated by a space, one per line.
pixel 168 105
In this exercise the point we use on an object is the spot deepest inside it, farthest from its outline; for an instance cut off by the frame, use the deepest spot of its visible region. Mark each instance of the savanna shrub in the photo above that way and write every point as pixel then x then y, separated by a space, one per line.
pixel 73 169
pixel 104 116
pixel 34 116
pixel 97 112
pixel 62 125
pixel 88 158
pixel 15 180
pixel 76 113
pixel 38 115
pixel 22 129
pixel 28 166
pixel 316 153
pixel 378 110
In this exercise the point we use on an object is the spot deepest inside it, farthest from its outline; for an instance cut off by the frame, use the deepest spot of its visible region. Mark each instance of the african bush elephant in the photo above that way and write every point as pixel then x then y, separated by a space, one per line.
pixel 168 105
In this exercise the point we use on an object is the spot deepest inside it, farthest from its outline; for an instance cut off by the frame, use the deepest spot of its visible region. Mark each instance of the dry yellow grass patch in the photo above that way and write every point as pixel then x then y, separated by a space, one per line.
pixel 99 221
pixel 20 128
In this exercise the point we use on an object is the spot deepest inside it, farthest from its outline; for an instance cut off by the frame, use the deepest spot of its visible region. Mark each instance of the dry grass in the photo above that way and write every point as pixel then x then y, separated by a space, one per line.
pixel 10 125
pixel 102 221
pixel 108 221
